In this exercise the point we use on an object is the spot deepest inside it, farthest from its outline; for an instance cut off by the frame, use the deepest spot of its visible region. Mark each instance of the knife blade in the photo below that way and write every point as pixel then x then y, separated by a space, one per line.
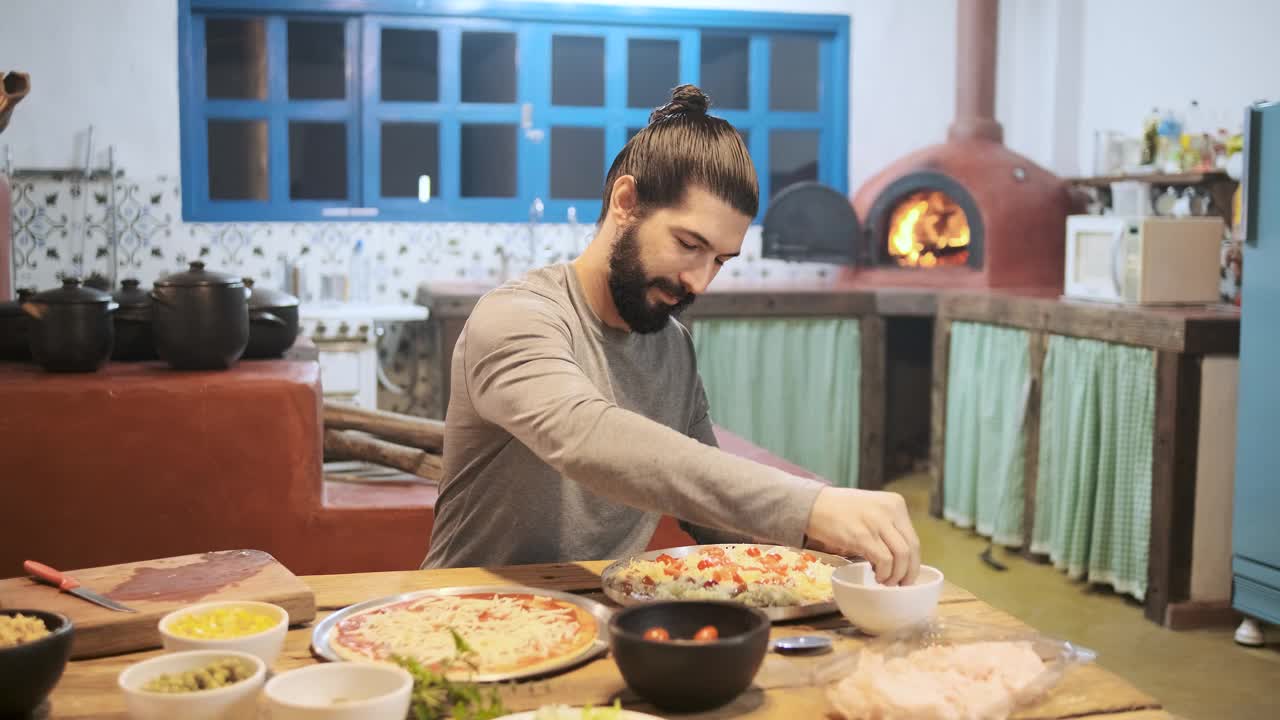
pixel 69 584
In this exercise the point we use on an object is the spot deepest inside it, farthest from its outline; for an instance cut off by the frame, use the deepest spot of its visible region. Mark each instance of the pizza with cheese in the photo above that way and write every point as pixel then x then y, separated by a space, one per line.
pixel 510 632
pixel 755 575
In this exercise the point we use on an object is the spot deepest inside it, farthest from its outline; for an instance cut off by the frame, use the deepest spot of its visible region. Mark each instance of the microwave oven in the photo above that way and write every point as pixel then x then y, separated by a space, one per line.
pixel 1149 260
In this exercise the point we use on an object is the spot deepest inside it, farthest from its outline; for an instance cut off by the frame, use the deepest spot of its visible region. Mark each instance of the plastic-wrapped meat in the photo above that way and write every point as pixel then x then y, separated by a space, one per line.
pixel 971 681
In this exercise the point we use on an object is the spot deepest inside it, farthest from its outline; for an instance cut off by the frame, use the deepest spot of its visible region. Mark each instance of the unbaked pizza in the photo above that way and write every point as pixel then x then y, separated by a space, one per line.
pixel 509 632
pixel 755 575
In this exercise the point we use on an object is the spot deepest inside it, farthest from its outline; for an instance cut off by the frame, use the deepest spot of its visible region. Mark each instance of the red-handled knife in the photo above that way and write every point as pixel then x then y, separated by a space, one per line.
pixel 71 585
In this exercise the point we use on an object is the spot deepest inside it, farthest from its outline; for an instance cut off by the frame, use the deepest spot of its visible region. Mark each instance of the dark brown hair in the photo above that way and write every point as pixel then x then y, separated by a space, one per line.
pixel 682 146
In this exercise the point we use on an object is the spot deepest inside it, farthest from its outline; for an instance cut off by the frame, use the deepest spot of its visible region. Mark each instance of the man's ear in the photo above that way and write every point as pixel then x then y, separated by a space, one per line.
pixel 623 200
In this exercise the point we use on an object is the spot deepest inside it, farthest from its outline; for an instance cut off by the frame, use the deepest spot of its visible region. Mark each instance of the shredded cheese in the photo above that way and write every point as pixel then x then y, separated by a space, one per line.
pixel 506 631
pixel 756 575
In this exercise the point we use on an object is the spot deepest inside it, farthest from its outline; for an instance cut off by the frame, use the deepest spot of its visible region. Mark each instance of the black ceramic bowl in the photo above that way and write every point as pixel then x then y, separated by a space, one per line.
pixel 682 674
pixel 29 671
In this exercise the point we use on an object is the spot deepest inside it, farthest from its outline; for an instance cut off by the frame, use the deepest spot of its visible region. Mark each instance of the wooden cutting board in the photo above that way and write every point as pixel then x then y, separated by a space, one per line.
pixel 155 588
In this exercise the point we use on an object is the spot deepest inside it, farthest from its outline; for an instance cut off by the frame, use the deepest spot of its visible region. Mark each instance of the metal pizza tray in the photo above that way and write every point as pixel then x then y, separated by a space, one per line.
pixel 320 645
pixel 788 612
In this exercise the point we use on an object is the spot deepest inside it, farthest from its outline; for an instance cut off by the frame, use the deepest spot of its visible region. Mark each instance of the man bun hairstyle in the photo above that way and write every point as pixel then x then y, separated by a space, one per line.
pixel 683 146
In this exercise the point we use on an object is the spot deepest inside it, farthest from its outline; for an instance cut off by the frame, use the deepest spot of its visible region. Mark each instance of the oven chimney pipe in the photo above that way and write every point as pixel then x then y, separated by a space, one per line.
pixel 977 24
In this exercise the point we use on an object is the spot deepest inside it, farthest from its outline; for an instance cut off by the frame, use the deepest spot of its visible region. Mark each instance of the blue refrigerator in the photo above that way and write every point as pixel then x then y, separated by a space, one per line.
pixel 1256 527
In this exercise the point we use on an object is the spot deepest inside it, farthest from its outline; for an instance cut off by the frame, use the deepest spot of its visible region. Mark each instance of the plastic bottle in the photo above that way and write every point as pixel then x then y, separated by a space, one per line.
pixel 360 273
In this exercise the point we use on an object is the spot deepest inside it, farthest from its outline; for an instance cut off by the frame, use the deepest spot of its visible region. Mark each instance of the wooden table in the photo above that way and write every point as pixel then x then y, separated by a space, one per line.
pixel 88 687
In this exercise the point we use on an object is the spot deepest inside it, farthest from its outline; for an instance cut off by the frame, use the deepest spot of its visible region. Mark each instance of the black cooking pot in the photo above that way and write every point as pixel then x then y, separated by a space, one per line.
pixel 13 327
pixel 133 323
pixel 273 321
pixel 70 327
pixel 200 319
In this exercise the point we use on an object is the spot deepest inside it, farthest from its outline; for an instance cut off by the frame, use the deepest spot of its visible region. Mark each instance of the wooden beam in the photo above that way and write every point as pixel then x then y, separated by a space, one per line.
pixel 402 429
pixel 1173 482
pixel 872 390
pixel 1195 614
pixel 350 445
pixel 1196 330
pixel 938 409
pixel 1038 347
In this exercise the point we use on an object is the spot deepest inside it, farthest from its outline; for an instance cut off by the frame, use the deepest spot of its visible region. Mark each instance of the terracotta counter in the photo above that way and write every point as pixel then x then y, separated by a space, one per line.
pixel 139 461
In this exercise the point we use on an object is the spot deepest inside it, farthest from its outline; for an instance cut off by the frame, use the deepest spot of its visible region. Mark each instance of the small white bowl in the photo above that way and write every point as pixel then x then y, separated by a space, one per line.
pixel 877 609
pixel 266 644
pixel 340 691
pixel 226 703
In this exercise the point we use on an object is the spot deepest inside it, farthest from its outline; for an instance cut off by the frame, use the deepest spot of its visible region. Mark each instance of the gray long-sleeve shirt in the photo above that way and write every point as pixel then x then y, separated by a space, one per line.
pixel 567 439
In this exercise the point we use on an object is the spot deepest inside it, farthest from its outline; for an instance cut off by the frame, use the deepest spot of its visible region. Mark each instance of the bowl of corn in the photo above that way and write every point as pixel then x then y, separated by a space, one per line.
pixel 257 628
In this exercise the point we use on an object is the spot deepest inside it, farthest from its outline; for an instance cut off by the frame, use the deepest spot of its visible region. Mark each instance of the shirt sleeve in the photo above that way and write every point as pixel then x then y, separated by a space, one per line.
pixel 521 375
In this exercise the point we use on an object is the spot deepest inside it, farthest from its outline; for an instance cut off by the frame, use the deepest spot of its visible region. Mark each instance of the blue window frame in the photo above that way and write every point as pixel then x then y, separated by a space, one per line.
pixel 478 110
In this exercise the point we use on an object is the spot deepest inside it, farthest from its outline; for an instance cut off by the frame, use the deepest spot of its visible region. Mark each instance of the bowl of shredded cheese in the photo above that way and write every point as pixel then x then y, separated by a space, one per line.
pixel 257 628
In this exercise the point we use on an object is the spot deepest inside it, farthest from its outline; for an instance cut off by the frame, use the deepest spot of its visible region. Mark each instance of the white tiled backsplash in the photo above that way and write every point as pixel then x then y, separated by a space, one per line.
pixel 62 226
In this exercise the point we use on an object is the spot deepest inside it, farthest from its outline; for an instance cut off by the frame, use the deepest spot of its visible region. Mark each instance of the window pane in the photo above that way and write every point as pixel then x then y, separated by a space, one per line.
pixel 410 65
pixel 653 70
pixel 746 138
pixel 235 59
pixel 632 132
pixel 489 160
pixel 409 151
pixel 577 71
pixel 317 60
pixel 725 70
pixel 238 160
pixel 317 160
pixel 793 73
pixel 488 67
pixel 577 162
pixel 793 157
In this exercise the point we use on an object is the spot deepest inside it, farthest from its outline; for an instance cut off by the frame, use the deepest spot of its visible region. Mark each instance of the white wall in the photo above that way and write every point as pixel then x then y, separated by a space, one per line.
pixel 114 63
pixel 1066 69
pixel 109 63
pixel 1139 55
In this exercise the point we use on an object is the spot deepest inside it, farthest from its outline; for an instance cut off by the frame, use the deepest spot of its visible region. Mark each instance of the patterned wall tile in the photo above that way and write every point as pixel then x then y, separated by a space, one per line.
pixel 62 225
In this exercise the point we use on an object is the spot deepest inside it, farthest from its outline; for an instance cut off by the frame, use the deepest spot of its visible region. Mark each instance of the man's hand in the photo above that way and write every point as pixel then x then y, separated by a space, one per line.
pixel 869 523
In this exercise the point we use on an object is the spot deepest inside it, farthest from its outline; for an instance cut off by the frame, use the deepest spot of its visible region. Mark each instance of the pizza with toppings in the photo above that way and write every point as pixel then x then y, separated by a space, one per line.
pixel 755 575
pixel 510 632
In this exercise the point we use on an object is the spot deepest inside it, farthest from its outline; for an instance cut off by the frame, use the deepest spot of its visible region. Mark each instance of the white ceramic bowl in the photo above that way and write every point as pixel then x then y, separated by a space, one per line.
pixel 877 609
pixel 340 691
pixel 226 703
pixel 266 644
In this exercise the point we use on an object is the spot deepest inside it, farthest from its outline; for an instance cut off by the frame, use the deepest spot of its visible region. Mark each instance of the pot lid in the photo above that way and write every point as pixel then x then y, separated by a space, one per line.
pixel 810 222
pixel 130 295
pixel 197 276
pixel 14 307
pixel 268 297
pixel 72 292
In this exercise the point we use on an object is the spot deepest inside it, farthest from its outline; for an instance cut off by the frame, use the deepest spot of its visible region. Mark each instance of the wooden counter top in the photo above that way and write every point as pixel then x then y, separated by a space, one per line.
pixel 1196 329
pixel 781 689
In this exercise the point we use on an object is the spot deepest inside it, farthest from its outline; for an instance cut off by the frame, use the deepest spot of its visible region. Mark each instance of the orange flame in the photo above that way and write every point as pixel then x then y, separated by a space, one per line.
pixel 928 229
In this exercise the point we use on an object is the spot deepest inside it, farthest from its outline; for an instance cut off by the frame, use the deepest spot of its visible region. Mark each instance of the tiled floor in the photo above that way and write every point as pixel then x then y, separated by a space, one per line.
pixel 1199 675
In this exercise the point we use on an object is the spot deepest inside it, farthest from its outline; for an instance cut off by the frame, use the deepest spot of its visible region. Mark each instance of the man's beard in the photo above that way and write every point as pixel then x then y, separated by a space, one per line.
pixel 629 285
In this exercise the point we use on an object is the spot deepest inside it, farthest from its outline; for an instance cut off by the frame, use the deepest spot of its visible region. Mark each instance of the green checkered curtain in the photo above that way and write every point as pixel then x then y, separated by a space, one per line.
pixel 987 385
pixel 1093 494
pixel 789 386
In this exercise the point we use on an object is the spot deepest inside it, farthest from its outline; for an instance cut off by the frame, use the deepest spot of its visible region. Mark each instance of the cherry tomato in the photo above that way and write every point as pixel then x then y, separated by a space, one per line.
pixel 707 633
pixel 657 633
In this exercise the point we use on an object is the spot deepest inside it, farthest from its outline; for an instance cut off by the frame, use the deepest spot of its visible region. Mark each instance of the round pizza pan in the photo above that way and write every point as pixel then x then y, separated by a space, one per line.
pixel 608 580
pixel 320 635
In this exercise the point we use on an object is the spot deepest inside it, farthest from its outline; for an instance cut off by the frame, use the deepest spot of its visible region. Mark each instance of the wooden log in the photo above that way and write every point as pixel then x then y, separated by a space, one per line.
pixel 1173 482
pixel 400 429
pixel 871 389
pixel 348 445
